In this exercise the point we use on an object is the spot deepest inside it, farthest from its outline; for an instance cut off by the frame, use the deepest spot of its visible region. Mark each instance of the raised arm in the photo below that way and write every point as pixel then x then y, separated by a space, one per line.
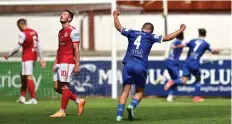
pixel 178 46
pixel 117 24
pixel 174 34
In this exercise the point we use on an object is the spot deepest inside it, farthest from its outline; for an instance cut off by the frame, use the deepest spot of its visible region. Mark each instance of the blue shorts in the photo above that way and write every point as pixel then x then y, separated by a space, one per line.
pixel 173 68
pixel 134 74
pixel 191 68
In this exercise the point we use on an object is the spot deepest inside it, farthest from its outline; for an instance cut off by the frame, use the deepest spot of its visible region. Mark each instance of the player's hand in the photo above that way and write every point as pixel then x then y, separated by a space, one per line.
pixel 77 69
pixel 6 57
pixel 216 51
pixel 182 27
pixel 43 64
pixel 53 68
pixel 116 13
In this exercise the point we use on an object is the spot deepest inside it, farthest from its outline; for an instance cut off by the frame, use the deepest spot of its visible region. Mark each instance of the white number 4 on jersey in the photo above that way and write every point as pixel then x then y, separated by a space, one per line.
pixel 137 41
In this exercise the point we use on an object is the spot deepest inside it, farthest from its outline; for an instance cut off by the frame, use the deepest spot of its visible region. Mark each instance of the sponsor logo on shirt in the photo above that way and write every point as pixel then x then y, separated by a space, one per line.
pixel 138 53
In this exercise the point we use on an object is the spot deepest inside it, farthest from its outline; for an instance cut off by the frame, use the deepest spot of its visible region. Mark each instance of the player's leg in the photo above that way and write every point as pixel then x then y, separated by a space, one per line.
pixel 197 84
pixel 173 71
pixel 122 101
pixel 56 80
pixel 65 92
pixel 62 77
pixel 80 102
pixel 139 76
pixel 176 79
pixel 57 86
pixel 135 102
pixel 30 83
pixel 31 89
pixel 127 82
pixel 23 90
pixel 186 74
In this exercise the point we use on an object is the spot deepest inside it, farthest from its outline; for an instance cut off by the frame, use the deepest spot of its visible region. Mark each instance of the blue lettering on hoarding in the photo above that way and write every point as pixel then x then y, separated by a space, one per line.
pixel 95 79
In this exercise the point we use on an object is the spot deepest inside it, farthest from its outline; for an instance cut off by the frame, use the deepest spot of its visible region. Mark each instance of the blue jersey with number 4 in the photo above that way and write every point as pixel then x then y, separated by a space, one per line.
pixel 197 48
pixel 139 46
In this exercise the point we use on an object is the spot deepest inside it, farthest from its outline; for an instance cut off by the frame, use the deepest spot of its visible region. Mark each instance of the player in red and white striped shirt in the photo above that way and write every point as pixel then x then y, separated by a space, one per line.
pixel 67 64
pixel 28 40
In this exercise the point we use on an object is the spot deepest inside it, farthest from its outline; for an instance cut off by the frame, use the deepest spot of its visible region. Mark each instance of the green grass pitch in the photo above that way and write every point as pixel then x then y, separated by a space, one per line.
pixel 103 111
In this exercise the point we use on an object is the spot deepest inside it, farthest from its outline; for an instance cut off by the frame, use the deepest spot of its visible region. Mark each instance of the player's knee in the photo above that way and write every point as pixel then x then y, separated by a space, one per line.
pixel 139 90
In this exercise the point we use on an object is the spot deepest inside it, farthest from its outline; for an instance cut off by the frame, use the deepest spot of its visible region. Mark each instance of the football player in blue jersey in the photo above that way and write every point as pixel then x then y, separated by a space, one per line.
pixel 197 48
pixel 136 61
pixel 173 65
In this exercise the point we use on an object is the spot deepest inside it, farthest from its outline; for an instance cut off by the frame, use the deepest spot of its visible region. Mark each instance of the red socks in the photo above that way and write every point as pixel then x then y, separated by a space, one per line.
pixel 66 94
pixel 31 88
pixel 73 97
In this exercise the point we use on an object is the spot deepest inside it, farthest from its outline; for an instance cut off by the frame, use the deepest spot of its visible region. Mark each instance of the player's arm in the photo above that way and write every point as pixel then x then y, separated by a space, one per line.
pixel 213 51
pixel 117 23
pixel 77 57
pixel 54 65
pixel 40 54
pixel 75 36
pixel 22 37
pixel 174 34
pixel 178 46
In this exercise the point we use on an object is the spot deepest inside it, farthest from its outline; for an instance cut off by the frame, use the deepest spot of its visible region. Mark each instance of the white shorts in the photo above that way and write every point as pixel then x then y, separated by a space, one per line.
pixel 63 72
pixel 27 67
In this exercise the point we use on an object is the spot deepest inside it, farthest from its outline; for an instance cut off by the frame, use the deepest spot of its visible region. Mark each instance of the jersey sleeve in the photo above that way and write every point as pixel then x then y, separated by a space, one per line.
pixel 22 38
pixel 209 48
pixel 126 32
pixel 75 36
pixel 157 38
pixel 177 43
pixel 186 43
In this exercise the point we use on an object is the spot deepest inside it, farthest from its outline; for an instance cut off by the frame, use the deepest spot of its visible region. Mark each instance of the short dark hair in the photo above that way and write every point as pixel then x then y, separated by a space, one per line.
pixel 70 14
pixel 150 26
pixel 180 36
pixel 202 32
pixel 22 21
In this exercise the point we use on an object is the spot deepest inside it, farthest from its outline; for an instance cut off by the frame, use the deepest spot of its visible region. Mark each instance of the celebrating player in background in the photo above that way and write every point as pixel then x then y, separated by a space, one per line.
pixel 28 40
pixel 136 61
pixel 197 48
pixel 67 64
pixel 173 65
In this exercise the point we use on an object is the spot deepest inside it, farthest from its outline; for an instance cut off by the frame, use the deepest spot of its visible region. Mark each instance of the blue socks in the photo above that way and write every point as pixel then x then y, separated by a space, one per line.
pixel 134 103
pixel 197 89
pixel 120 109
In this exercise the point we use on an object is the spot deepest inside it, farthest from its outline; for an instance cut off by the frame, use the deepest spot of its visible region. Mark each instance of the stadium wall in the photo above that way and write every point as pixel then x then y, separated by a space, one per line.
pixel 95 79
pixel 218 28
